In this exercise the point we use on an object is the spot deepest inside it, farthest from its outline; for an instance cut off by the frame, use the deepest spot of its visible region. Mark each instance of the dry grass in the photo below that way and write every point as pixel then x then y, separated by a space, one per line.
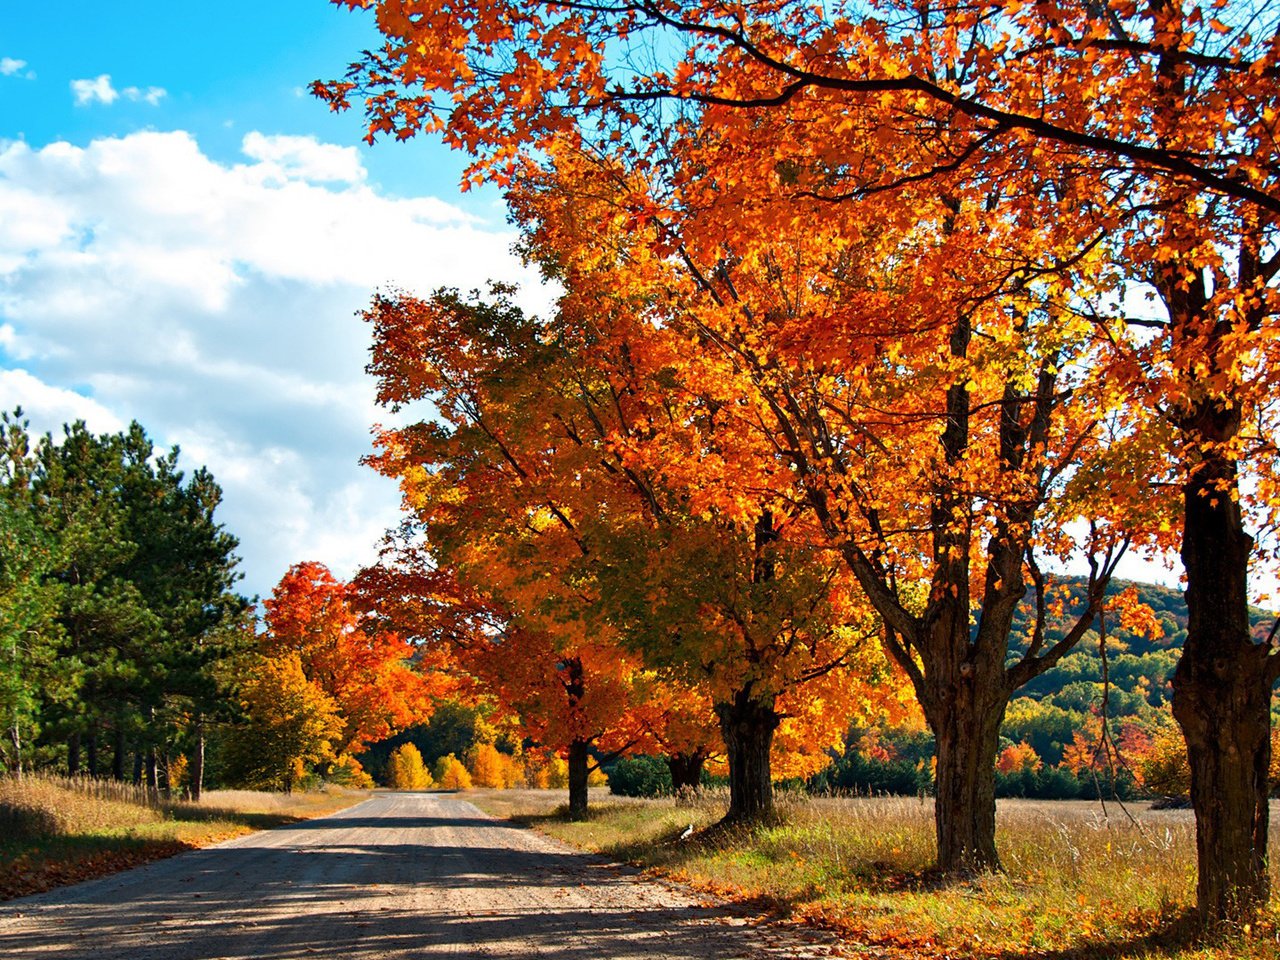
pixel 55 831
pixel 1080 882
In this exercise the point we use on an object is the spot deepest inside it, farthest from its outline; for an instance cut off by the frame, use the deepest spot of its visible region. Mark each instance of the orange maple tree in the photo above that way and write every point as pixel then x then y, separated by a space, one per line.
pixel 565 692
pixel 582 543
pixel 1143 132
pixel 370 674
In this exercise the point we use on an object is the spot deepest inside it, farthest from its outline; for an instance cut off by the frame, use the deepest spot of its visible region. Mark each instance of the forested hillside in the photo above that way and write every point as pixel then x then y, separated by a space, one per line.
pixel 1053 738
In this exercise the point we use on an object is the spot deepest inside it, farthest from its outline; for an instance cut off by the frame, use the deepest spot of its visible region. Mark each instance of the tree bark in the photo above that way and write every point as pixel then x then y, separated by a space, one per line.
pixel 91 748
pixel 196 773
pixel 1222 701
pixel 966 734
pixel 15 737
pixel 121 751
pixel 747 725
pixel 686 771
pixel 579 761
pixel 73 754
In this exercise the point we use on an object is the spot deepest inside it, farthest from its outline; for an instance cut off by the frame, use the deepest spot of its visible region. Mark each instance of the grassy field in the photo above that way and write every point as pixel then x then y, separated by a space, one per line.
pixel 1079 882
pixel 55 831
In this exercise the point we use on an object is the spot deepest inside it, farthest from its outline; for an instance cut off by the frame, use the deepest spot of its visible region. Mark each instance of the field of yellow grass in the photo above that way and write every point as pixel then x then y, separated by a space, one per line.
pixel 55 831
pixel 1081 881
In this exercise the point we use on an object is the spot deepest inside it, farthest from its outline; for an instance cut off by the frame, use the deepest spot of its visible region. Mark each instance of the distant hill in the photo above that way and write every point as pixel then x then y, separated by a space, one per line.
pixel 1056 708
pixel 1139 669
pixel 1168 604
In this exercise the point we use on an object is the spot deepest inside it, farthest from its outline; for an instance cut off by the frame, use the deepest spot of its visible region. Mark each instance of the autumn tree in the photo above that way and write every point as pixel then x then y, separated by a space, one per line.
pixel 292 725
pixel 369 673
pixel 1153 122
pixel 450 774
pixel 569 694
pixel 920 411
pixel 724 599
pixel 406 771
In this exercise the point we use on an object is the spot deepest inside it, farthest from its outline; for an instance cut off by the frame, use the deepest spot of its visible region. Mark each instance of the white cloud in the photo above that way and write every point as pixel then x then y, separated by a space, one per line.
pixel 151 95
pixel 98 89
pixel 215 303
pixel 12 67
pixel 101 90
pixel 48 408
pixel 306 158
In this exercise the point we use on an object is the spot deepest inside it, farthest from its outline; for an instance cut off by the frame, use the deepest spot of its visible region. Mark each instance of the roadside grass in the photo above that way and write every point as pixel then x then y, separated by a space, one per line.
pixel 1081 881
pixel 55 831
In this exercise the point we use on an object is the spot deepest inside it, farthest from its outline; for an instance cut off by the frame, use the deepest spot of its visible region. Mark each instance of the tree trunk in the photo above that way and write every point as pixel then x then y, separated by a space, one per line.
pixel 15 737
pixel 195 775
pixel 73 754
pixel 121 751
pixel 91 748
pixel 686 771
pixel 1222 701
pixel 747 726
pixel 579 761
pixel 966 733
pixel 137 764
pixel 153 783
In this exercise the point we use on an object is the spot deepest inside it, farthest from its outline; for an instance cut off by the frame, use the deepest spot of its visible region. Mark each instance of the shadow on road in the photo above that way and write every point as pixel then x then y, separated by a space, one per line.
pixel 403 885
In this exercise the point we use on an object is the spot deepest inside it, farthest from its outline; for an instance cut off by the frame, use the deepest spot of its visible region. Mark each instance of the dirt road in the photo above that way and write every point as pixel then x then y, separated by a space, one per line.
pixel 398 876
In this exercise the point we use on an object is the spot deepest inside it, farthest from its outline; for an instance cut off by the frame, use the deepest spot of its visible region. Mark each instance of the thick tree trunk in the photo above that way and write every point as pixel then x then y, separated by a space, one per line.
pixel 196 772
pixel 967 734
pixel 686 771
pixel 91 748
pixel 579 761
pixel 137 764
pixel 747 726
pixel 1222 700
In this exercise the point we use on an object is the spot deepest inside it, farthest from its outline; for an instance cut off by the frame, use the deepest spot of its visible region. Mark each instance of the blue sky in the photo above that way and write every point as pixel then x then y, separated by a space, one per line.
pixel 225 70
pixel 186 237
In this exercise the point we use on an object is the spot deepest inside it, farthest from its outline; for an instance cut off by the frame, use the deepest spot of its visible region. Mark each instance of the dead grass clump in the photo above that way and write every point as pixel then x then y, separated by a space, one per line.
pixel 46 807
pixel 1080 881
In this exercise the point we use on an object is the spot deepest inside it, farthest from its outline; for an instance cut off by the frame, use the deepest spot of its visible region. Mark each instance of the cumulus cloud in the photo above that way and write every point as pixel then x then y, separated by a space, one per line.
pixel 48 407
pixel 306 158
pixel 97 90
pixel 101 90
pixel 215 303
pixel 13 67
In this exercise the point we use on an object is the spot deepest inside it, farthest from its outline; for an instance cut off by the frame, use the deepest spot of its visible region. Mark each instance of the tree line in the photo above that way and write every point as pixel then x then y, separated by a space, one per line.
pixel 126 652
pixel 874 305
pixel 118 612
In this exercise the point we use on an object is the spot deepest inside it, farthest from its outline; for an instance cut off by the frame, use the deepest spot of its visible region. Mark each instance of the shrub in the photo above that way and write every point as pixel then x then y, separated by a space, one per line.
pixel 640 776
pixel 858 774
pixel 348 772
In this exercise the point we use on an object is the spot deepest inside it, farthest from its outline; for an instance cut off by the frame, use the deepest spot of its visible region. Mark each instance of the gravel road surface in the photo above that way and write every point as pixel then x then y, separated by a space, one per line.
pixel 398 876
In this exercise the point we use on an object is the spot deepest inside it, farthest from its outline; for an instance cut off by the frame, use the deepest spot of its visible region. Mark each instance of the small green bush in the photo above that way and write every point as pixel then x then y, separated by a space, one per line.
pixel 640 776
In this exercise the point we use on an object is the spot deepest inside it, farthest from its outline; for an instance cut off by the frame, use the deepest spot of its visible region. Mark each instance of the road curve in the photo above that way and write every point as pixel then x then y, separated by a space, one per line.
pixel 398 876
